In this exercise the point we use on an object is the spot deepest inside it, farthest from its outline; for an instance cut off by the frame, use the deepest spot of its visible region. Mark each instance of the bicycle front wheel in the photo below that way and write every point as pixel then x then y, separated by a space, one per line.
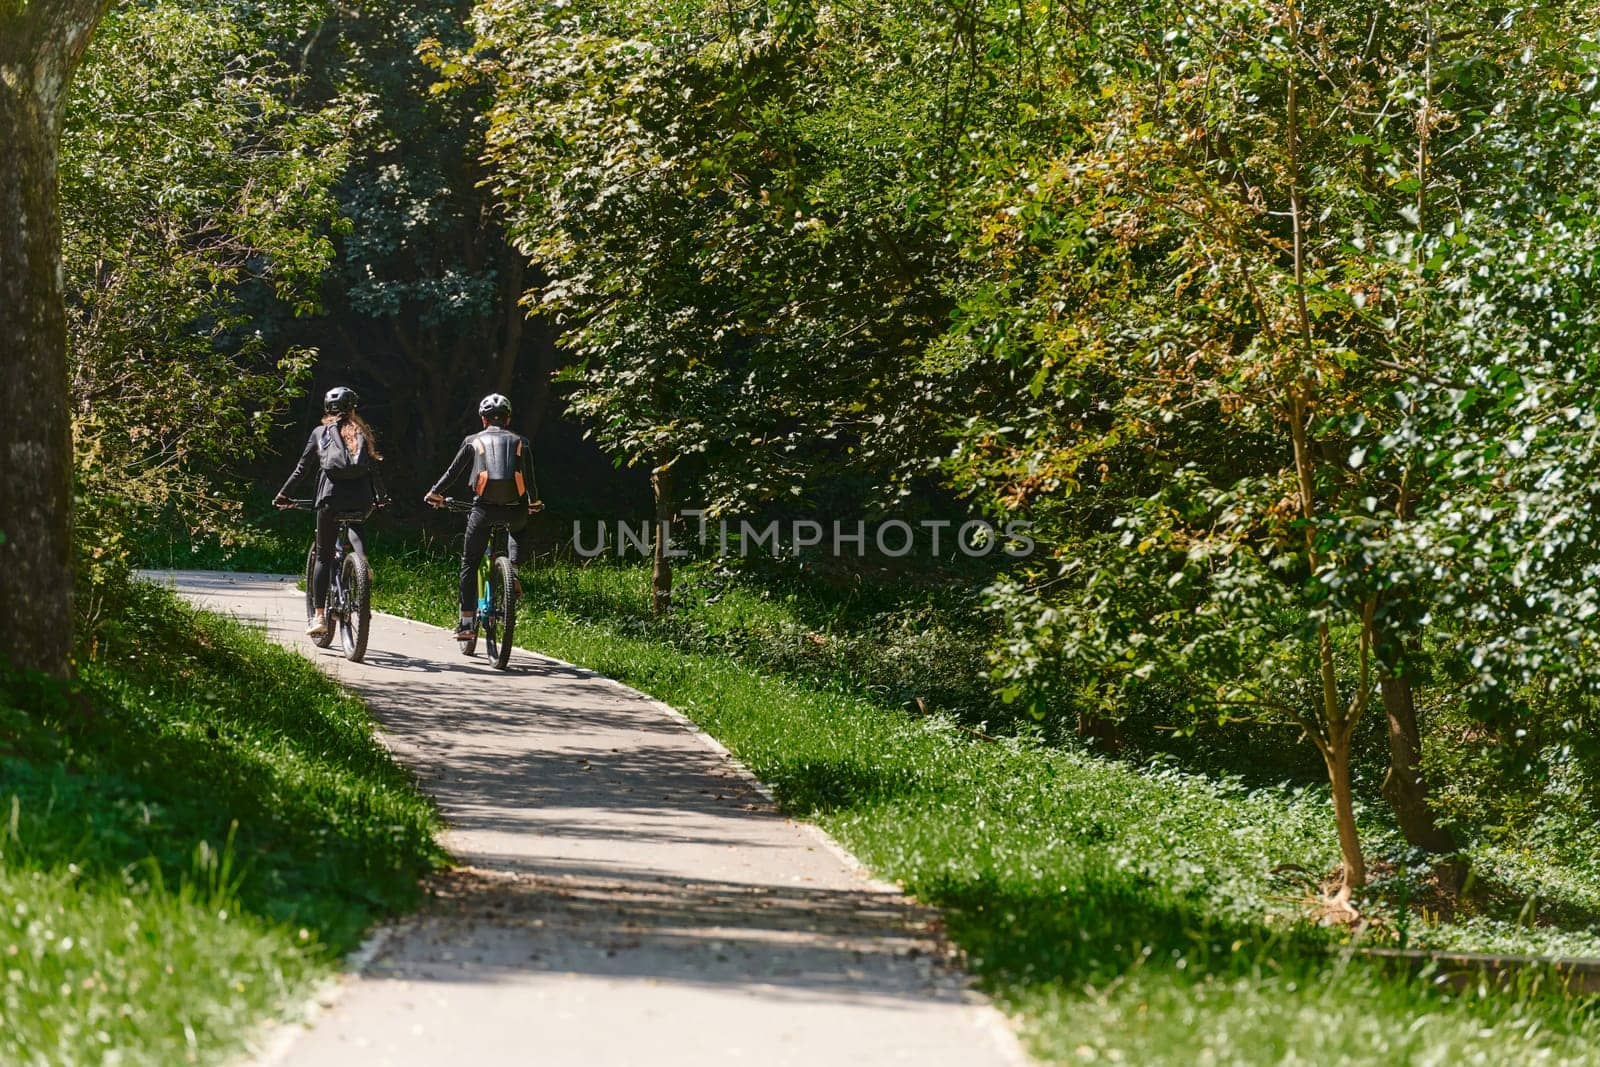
pixel 355 615
pixel 324 639
pixel 503 618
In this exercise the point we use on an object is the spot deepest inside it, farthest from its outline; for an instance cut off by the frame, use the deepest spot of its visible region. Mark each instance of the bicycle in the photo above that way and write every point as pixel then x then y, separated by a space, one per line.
pixel 497 594
pixel 349 608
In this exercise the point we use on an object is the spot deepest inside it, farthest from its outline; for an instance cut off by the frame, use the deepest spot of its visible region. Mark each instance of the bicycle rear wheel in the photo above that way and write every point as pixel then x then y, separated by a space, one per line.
pixel 502 623
pixel 355 608
pixel 326 638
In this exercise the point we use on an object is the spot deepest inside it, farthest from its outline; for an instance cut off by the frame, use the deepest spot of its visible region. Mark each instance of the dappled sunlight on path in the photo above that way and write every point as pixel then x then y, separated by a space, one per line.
pixel 627 894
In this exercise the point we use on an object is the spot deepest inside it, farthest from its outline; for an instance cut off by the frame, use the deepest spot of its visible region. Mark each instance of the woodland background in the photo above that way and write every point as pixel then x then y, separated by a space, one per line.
pixel 1277 320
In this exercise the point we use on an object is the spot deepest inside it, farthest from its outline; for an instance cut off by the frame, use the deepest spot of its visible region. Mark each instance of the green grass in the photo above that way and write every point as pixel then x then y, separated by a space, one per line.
pixel 267 541
pixel 1128 913
pixel 190 835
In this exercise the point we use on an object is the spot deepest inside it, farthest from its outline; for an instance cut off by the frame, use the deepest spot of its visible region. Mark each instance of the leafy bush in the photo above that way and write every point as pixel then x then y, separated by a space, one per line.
pixel 197 210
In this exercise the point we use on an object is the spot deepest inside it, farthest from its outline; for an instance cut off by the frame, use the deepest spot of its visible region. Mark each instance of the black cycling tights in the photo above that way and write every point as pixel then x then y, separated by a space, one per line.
pixel 480 523
pixel 327 540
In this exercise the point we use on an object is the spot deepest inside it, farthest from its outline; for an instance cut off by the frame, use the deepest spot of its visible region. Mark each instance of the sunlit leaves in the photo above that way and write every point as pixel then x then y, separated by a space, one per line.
pixel 195 196
pixel 740 218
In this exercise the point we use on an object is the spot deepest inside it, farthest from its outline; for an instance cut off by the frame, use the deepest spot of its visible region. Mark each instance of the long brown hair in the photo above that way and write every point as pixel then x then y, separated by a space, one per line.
pixel 353 428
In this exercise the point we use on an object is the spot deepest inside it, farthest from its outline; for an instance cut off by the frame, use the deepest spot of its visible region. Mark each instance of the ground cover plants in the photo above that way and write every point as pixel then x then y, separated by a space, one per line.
pixel 1135 912
pixel 190 835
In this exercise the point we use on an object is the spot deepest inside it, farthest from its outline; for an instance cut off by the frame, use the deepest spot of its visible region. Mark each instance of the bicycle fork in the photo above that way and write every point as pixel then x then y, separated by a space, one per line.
pixel 485 597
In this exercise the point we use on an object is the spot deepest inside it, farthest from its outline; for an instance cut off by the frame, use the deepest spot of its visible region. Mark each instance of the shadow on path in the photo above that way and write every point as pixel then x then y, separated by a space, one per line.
pixel 628 895
pixel 770 941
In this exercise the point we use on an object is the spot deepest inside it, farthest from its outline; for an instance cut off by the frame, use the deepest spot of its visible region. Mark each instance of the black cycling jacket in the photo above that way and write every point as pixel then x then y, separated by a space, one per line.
pixel 463 463
pixel 357 494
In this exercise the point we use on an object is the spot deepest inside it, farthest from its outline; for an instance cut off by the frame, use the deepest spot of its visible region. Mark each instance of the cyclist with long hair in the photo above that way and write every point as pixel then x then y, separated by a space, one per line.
pixel 504 493
pixel 344 451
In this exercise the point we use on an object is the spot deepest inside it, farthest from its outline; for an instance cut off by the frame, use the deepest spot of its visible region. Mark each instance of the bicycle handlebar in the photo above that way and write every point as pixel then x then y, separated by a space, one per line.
pixel 307 504
pixel 456 504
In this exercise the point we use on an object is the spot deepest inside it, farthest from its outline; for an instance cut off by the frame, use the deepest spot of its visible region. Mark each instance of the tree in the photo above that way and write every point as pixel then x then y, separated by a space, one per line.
pixel 1252 296
pixel 197 209
pixel 1182 283
pixel 734 217
pixel 41 43
pixel 421 309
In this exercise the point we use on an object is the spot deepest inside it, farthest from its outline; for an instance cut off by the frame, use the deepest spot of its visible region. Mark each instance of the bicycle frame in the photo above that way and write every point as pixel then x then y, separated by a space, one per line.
pixel 347 607
pixel 496 548
pixel 497 596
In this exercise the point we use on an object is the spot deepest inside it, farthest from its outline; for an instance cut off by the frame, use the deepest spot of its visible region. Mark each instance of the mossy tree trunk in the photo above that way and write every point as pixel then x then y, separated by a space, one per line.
pixel 41 43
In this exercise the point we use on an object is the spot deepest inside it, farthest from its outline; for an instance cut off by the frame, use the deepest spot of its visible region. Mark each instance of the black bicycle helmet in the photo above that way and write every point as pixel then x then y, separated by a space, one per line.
pixel 340 400
pixel 494 406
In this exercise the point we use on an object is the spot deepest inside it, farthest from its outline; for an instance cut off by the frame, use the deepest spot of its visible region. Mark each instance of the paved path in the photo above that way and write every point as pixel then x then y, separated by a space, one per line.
pixel 628 895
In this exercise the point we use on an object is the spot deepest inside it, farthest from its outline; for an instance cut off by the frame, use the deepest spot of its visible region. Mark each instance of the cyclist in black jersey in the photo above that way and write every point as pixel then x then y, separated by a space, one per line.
pixel 343 451
pixel 504 491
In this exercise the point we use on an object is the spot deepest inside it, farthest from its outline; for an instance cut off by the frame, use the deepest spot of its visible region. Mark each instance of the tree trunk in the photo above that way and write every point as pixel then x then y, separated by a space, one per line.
pixel 1403 786
pixel 1100 733
pixel 661 575
pixel 40 45
pixel 1337 756
pixel 1301 403
pixel 513 317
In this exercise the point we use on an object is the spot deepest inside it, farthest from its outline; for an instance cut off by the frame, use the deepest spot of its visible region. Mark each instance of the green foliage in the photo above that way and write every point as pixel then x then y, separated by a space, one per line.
pixel 1435 168
pixel 267 541
pixel 410 193
pixel 734 214
pixel 421 309
pixel 917 648
pixel 189 835
pixel 195 200
pixel 1275 322
pixel 1267 318
pixel 1130 912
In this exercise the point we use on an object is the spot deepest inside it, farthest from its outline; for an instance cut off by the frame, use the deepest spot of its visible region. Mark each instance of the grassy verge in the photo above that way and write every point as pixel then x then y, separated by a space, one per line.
pixel 190 834
pixel 1127 913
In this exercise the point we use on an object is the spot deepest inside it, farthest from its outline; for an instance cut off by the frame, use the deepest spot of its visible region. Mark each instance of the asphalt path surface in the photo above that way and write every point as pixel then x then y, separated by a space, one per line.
pixel 627 893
